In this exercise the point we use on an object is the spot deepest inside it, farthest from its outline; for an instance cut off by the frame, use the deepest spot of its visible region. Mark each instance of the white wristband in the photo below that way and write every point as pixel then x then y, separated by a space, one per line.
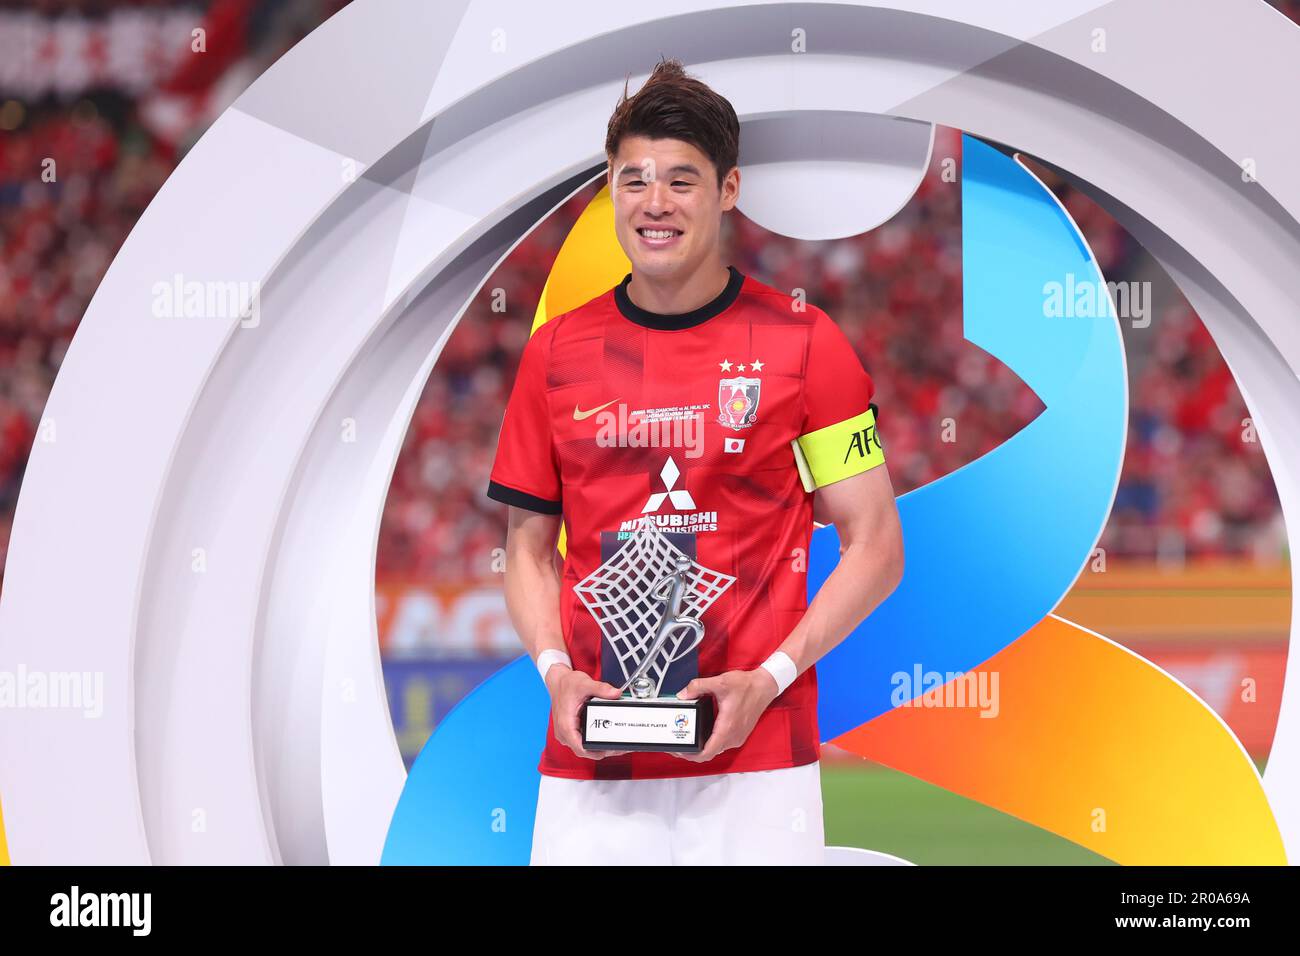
pixel 782 669
pixel 551 656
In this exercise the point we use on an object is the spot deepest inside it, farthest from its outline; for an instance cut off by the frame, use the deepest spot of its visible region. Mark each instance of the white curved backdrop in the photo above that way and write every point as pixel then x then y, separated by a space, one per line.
pixel 202 527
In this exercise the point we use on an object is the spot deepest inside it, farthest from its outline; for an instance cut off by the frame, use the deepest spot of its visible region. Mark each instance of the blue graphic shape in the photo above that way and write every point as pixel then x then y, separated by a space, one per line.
pixel 993 547
pixel 471 795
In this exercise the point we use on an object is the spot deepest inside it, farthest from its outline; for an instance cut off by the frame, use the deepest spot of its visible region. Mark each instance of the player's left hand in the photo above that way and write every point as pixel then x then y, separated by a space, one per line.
pixel 740 697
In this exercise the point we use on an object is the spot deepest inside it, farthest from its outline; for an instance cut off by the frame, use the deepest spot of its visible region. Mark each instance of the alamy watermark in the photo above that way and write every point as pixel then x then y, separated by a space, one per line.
pixel 922 688
pixel 1089 299
pixel 125 910
pixel 675 426
pixel 53 690
pixel 182 298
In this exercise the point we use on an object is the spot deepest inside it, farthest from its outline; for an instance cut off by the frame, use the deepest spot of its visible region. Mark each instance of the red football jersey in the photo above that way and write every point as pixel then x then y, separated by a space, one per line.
pixel 719 423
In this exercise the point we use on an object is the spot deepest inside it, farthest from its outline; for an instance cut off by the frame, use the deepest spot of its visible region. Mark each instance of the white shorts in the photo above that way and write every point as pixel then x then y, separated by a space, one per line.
pixel 757 817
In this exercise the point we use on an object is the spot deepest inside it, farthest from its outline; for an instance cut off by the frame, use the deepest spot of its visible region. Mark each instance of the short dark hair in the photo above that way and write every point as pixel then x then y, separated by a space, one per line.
pixel 674 105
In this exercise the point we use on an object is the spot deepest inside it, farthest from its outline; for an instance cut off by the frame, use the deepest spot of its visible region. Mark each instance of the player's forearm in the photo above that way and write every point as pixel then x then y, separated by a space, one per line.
pixel 866 574
pixel 532 588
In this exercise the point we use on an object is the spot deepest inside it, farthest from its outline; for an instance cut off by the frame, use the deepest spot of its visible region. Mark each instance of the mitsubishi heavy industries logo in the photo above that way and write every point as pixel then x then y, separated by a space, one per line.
pixel 683 515
pixel 681 498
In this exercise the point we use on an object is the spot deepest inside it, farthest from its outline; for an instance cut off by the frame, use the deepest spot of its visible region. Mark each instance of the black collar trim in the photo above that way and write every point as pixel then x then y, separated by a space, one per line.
pixel 684 320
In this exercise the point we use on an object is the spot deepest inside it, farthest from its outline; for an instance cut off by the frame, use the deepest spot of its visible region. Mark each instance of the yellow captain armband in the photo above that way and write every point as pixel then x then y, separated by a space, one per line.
pixel 838 451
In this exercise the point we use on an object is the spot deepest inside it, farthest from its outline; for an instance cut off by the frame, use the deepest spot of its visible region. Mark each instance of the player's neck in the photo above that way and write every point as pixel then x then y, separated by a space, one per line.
pixel 680 293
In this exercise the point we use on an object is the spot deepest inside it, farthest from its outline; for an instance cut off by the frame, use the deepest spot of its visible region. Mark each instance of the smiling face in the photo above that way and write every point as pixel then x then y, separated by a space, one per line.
pixel 667 205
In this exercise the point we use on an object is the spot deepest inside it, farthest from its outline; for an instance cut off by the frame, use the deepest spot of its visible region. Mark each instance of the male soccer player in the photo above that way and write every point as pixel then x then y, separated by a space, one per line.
pixel 727 410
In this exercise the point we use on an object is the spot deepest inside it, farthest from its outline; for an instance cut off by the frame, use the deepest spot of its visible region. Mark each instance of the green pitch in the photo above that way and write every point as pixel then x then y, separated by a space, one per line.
pixel 870 806
pixel 877 808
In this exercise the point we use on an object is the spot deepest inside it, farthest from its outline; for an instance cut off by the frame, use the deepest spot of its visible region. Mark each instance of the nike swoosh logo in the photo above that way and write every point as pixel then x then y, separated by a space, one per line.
pixel 580 415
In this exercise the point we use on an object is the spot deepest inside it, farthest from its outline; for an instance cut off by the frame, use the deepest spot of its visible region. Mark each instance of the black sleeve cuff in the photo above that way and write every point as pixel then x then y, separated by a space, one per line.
pixel 521 499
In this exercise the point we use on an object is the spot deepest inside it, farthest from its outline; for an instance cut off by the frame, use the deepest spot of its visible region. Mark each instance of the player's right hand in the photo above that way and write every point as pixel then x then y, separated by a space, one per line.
pixel 569 690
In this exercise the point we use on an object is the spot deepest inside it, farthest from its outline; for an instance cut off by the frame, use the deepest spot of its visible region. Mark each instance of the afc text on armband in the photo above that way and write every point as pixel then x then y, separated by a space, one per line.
pixel 861 441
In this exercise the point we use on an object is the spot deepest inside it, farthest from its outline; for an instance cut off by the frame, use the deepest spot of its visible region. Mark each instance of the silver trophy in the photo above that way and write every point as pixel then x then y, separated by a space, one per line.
pixel 648 600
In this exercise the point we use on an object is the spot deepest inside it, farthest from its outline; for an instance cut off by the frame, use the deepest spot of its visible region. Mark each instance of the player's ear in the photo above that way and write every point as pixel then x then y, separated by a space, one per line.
pixel 730 188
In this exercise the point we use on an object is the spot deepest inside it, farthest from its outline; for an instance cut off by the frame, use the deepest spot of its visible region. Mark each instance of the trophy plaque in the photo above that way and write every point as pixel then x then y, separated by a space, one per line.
pixel 648 599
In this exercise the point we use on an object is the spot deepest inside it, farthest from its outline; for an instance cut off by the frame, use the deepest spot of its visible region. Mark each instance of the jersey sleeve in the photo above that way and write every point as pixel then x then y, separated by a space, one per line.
pixel 838 437
pixel 526 470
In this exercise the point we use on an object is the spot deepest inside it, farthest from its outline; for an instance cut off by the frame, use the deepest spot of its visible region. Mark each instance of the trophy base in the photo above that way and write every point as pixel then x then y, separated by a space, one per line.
pixel 662 724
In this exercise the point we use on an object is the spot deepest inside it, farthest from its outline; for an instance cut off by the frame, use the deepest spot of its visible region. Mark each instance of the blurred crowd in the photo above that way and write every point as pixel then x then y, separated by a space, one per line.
pixel 1195 483
pixel 1195 479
